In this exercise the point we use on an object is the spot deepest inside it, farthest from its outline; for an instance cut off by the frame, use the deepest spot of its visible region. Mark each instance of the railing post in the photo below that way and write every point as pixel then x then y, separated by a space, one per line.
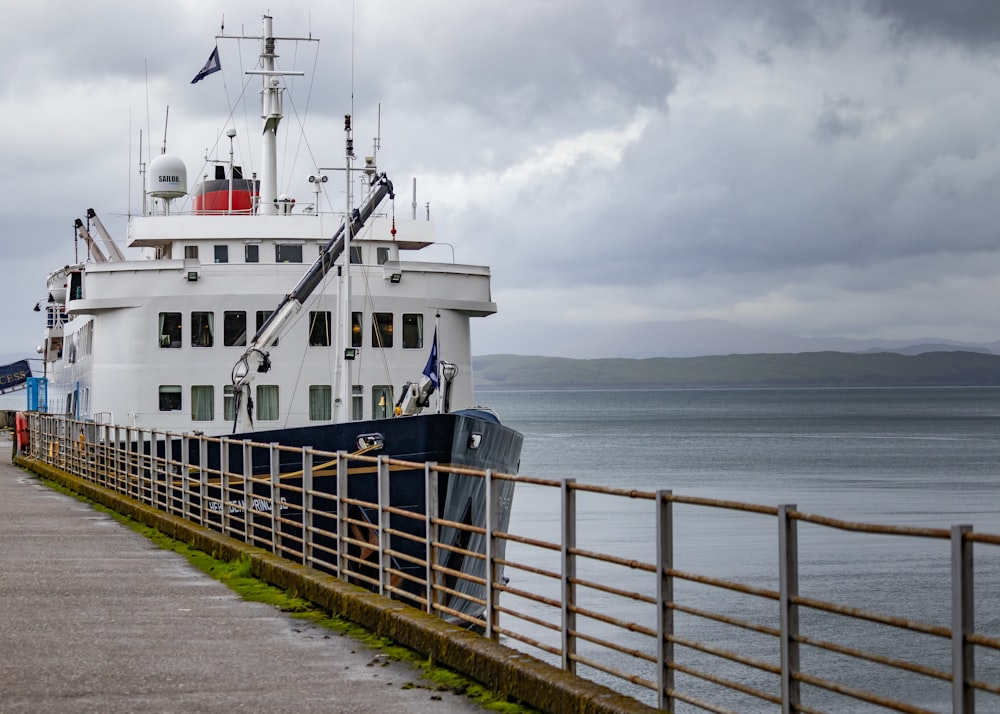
pixel 307 505
pixel 223 486
pixel 114 460
pixel 963 611
pixel 342 511
pixel 568 574
pixel 665 598
pixel 788 565
pixel 247 490
pixel 202 479
pixel 492 616
pixel 275 458
pixel 432 510
pixel 185 471
pixel 383 525
pixel 127 489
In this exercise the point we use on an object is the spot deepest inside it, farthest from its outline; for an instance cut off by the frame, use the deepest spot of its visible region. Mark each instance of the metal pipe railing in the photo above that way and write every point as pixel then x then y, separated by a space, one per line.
pixel 604 615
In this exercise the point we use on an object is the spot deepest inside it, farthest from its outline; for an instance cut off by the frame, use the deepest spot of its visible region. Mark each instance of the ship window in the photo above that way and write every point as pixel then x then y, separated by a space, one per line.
pixel 357 402
pixel 222 254
pixel 234 328
pixel 356 329
pixel 252 253
pixel 413 331
pixel 170 398
pixel 202 329
pixel 382 255
pixel 75 286
pixel 382 329
pixel 356 255
pixel 381 401
pixel 320 402
pixel 170 329
pixel 202 402
pixel 228 403
pixel 267 402
pixel 285 253
pixel 319 329
pixel 191 252
pixel 262 316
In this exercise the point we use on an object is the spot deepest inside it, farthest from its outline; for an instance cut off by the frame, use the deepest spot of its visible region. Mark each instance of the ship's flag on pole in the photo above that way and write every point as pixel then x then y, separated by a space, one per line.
pixel 431 368
pixel 213 65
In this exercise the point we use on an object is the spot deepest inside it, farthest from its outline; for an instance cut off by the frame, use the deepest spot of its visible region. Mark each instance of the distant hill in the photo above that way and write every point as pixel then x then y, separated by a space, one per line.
pixel 689 338
pixel 806 369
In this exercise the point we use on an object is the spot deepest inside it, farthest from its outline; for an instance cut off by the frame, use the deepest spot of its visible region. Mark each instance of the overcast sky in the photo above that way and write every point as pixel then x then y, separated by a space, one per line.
pixel 817 168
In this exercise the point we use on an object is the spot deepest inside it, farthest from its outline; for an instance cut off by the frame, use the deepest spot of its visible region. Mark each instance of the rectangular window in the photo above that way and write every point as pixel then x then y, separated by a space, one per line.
pixel 202 402
pixel 170 398
pixel 262 316
pixel 355 255
pixel 382 329
pixel 356 329
pixel 222 254
pixel 228 403
pixel 285 253
pixel 267 402
pixel 251 253
pixel 413 331
pixel 381 401
pixel 319 329
pixel 320 402
pixel 170 329
pixel 383 255
pixel 202 329
pixel 234 328
pixel 191 252
pixel 357 402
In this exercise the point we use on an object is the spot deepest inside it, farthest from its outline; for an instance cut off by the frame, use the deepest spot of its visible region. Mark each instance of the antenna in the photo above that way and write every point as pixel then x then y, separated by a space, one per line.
pixel 149 131
pixel 354 5
pixel 128 202
pixel 378 133
pixel 166 120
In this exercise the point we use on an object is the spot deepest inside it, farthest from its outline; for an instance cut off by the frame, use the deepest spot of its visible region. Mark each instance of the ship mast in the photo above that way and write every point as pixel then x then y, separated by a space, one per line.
pixel 342 411
pixel 271 113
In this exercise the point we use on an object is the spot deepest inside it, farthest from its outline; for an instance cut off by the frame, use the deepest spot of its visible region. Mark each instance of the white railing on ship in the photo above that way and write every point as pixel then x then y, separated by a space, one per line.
pixel 564 603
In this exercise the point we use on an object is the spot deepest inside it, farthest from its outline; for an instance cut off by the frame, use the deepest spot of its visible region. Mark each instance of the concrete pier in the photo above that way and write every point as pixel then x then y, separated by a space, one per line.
pixel 95 618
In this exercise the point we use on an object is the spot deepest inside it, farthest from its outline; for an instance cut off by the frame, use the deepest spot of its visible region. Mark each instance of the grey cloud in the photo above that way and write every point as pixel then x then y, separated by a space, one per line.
pixel 839 118
pixel 971 23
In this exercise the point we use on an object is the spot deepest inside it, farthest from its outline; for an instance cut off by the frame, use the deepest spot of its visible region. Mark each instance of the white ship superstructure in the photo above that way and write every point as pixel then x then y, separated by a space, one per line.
pixel 152 341
pixel 140 337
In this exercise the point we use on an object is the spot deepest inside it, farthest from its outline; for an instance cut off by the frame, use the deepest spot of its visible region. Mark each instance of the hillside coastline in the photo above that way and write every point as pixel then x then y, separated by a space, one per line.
pixel 805 369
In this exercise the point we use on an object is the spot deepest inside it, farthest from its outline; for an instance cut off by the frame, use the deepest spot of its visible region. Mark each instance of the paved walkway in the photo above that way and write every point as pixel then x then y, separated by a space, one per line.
pixel 95 618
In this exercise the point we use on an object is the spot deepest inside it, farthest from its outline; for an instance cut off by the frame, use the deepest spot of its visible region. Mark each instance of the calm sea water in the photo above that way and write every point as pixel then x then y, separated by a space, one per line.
pixel 917 457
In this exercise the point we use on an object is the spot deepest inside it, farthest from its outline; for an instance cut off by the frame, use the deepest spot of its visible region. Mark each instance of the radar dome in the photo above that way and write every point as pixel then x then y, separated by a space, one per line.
pixel 167 177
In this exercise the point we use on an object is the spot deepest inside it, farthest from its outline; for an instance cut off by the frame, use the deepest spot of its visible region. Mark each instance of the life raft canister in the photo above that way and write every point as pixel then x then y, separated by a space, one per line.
pixel 21 432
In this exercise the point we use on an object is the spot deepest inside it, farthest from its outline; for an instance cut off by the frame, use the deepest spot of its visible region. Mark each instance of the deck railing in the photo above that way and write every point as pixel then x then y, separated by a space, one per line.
pixel 620 610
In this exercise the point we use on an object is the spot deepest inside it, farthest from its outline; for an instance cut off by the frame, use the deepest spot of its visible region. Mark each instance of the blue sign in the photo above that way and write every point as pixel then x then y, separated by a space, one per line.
pixel 13 376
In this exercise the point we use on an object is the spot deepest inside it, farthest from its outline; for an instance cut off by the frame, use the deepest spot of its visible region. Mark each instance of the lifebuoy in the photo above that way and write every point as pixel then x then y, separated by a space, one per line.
pixel 21 434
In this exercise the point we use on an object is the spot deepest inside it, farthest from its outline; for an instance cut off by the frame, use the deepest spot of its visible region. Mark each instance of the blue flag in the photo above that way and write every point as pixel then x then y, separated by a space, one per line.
pixel 431 368
pixel 213 65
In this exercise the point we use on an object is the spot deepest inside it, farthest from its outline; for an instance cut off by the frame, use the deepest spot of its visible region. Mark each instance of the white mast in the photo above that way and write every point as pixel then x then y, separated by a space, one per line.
pixel 270 97
pixel 271 113
pixel 342 411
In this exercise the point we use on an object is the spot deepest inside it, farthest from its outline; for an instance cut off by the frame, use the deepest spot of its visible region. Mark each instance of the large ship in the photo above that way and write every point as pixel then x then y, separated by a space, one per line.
pixel 252 314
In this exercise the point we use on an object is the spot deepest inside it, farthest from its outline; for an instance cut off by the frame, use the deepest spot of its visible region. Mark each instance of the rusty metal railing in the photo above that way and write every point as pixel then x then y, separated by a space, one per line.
pixel 623 613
